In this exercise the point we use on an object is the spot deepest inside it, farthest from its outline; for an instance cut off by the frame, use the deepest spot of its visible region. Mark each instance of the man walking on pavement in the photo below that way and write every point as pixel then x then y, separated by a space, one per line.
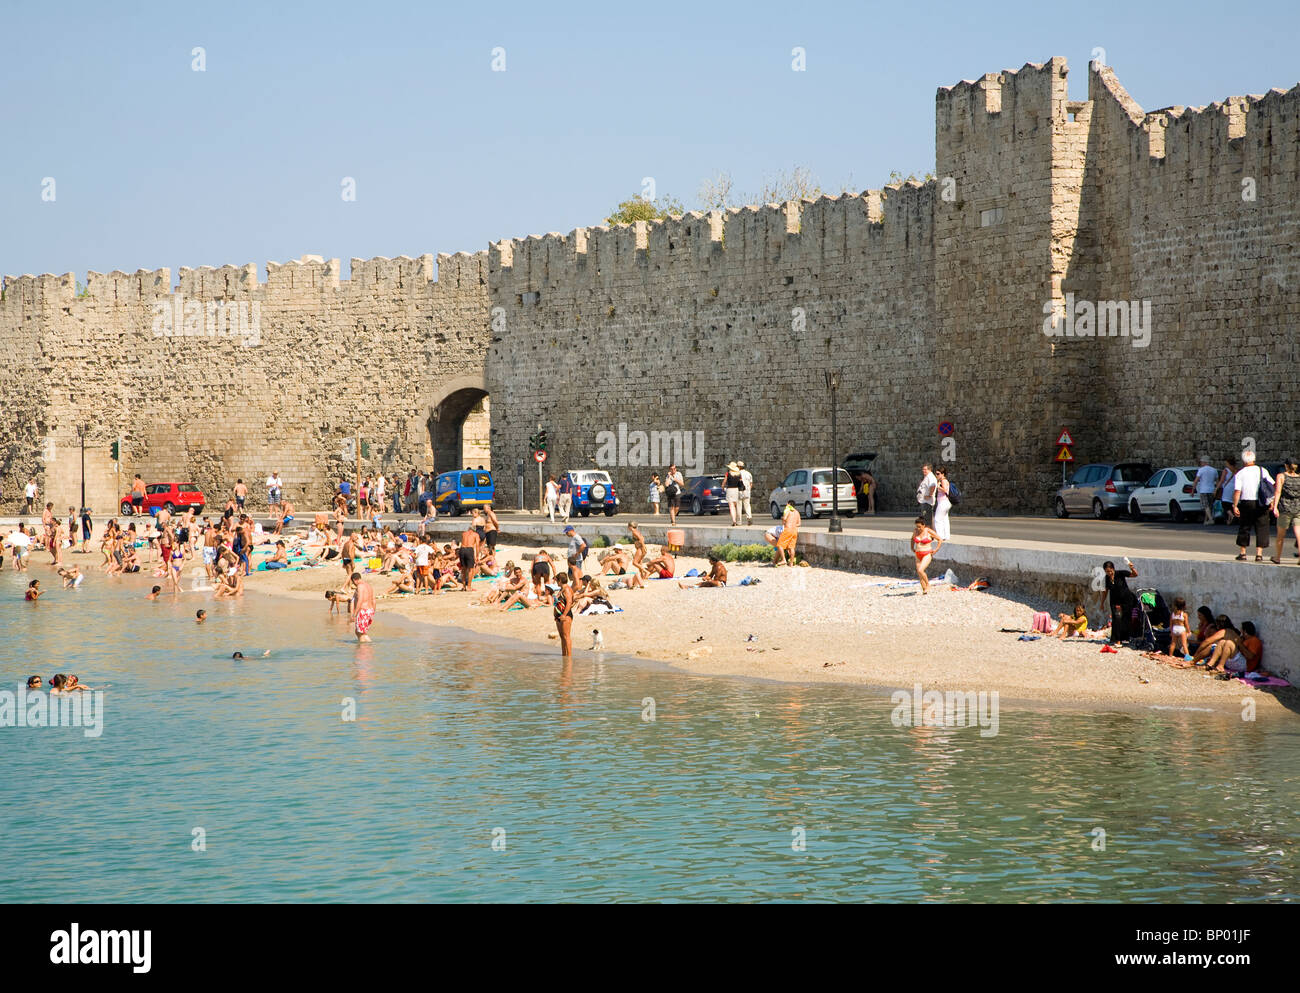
pixel 746 493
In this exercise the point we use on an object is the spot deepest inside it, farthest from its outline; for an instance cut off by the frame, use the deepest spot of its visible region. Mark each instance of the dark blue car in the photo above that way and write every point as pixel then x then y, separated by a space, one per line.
pixel 704 495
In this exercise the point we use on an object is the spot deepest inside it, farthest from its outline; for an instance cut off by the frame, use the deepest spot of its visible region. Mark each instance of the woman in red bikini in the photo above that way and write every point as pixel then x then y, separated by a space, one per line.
pixel 925 543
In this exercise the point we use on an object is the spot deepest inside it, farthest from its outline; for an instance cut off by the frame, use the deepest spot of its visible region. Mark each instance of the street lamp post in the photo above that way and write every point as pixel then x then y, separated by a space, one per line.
pixel 82 431
pixel 835 525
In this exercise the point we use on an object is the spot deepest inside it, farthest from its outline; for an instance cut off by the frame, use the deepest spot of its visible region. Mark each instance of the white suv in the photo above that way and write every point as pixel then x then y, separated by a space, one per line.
pixel 811 492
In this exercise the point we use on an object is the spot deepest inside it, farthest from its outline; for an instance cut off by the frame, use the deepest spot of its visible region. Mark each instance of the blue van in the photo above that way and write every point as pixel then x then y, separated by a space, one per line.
pixel 464 488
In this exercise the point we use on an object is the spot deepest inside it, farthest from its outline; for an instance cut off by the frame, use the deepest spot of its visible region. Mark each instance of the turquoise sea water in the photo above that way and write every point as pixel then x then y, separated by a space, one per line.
pixel 458 743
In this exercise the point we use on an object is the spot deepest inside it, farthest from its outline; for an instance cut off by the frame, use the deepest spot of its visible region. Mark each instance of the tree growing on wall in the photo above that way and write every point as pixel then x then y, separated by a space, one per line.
pixel 639 209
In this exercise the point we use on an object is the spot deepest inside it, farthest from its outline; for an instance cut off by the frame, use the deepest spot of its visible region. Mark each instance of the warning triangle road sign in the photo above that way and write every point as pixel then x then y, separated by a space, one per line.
pixel 1065 438
pixel 1064 455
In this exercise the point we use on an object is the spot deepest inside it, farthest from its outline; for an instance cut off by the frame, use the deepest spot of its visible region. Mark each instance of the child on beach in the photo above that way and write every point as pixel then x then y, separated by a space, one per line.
pixel 1179 628
pixel 1076 624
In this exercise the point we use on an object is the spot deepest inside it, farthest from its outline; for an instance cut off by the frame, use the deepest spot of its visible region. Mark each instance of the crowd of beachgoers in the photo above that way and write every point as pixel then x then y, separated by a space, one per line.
pixel 215 556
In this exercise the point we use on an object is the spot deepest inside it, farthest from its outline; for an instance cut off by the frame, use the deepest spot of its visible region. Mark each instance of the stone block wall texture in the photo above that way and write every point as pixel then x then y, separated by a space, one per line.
pixel 328 356
pixel 929 298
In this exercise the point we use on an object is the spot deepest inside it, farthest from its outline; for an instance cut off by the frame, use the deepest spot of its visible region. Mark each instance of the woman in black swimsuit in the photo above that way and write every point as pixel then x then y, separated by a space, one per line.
pixel 563 610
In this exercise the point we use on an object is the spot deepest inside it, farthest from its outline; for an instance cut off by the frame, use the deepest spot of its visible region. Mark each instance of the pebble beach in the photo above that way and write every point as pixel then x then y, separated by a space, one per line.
pixel 815 625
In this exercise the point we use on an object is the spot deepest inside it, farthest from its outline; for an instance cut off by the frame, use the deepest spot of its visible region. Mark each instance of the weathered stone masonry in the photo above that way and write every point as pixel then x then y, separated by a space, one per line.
pixel 928 297
pixel 376 352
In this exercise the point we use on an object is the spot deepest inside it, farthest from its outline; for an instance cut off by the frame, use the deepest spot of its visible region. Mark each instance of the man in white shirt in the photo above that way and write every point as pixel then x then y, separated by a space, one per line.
pixel 380 485
pixel 925 494
pixel 1250 507
pixel 747 481
pixel 552 498
pixel 1206 478
pixel 31 492
pixel 273 489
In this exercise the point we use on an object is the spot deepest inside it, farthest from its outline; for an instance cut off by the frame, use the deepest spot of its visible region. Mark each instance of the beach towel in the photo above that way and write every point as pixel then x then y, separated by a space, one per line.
pixel 1269 681
pixel 600 608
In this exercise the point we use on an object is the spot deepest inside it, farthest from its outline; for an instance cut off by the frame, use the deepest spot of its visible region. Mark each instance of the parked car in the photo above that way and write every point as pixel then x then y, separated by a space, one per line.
pixel 172 496
pixel 1101 488
pixel 592 491
pixel 810 490
pixel 1169 491
pixel 704 495
pixel 857 466
pixel 454 491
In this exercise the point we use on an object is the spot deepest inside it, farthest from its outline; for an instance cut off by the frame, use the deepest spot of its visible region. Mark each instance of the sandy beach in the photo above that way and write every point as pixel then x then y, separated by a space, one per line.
pixel 820 625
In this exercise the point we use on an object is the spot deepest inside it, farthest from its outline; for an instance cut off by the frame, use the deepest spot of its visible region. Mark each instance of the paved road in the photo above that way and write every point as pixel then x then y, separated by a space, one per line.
pixel 1132 537
pixel 1146 536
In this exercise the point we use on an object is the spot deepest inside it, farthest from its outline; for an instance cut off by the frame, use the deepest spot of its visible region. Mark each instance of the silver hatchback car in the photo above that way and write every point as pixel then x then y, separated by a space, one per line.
pixel 1101 488
pixel 811 493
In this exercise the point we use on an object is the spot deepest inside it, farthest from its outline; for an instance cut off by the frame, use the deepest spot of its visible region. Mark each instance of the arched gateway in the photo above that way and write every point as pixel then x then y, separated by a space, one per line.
pixel 459 423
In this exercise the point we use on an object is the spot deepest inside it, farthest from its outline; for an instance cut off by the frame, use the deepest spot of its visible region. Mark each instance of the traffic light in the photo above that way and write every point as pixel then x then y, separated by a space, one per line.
pixel 532 443
pixel 116 449
pixel 541 441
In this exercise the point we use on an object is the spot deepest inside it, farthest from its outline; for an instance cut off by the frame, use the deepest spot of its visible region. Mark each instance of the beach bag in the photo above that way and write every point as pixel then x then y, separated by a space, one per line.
pixel 1265 487
pixel 1042 622
pixel 954 494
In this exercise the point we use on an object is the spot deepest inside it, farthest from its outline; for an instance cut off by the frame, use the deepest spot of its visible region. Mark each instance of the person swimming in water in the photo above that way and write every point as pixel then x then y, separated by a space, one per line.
pixel 200 616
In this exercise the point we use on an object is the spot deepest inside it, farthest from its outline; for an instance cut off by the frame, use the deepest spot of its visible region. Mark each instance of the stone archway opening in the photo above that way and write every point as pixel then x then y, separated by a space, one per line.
pixel 460 425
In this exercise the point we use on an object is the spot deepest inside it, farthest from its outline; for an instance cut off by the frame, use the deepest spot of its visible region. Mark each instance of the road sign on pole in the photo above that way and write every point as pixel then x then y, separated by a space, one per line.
pixel 1065 438
pixel 1064 455
pixel 539 456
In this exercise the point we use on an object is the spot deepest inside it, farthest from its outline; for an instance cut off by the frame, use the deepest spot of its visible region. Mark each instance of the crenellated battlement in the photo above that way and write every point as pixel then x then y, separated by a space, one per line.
pixel 1037 90
pixel 1184 134
pixel 707 246
pixel 310 275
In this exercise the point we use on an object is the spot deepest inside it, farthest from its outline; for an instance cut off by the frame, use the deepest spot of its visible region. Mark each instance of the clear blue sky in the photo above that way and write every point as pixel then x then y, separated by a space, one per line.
pixel 157 165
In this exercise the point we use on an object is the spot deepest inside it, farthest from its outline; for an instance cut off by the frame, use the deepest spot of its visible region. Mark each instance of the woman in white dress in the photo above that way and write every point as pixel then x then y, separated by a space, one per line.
pixel 941 505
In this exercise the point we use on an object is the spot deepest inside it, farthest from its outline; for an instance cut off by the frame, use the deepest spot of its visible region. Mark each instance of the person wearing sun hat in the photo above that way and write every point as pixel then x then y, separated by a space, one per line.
pixel 731 485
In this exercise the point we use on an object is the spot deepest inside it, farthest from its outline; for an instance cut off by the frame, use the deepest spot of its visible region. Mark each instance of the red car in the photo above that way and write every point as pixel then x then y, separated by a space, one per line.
pixel 173 496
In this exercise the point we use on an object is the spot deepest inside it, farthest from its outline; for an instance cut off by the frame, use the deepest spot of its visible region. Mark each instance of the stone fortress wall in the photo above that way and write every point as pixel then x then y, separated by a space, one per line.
pixel 931 299
pixel 928 297
pixel 211 402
